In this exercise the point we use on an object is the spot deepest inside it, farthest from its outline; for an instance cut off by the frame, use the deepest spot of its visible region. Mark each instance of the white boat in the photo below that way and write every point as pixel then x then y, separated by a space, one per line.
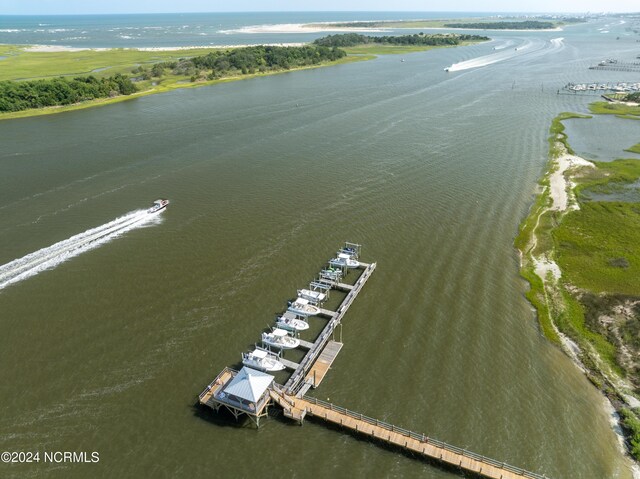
pixel 158 205
pixel 280 339
pixel 302 307
pixel 314 297
pixel 291 322
pixel 332 274
pixel 344 259
pixel 262 360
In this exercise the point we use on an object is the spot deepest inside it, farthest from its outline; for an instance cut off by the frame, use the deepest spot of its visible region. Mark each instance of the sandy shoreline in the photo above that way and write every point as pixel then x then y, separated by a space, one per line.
pixel 328 27
pixel 559 184
pixel 559 188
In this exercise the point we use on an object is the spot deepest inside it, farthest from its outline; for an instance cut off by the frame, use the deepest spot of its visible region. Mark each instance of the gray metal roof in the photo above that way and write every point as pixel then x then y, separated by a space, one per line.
pixel 249 384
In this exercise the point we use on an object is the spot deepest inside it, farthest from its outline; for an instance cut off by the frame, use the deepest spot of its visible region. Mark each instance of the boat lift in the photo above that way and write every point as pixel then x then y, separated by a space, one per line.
pixel 352 249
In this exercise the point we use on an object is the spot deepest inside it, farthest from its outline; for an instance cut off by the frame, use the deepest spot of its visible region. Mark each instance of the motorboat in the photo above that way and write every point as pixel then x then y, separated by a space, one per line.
pixel 158 205
pixel 262 360
pixel 291 322
pixel 344 260
pixel 302 307
pixel 331 274
pixel 313 297
pixel 280 338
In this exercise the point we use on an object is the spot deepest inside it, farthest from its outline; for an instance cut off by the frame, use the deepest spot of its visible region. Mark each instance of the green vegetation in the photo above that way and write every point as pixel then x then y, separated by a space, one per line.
pixel 26 71
pixel 634 149
pixel 619 109
pixel 23 64
pixel 596 301
pixel 503 25
pixel 442 23
pixel 252 59
pixel 17 96
pixel 417 39
pixel 598 246
pixel 151 76
pixel 631 423
pixel 558 143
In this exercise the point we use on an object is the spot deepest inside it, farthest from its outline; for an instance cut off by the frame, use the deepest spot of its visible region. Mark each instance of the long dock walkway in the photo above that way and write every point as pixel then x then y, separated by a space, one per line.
pixel 300 381
pixel 297 408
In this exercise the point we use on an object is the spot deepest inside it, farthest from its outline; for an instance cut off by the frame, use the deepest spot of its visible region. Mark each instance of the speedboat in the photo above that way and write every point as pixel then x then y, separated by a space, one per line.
pixel 158 205
pixel 302 307
pixel 331 274
pixel 262 360
pixel 291 322
pixel 280 338
pixel 314 297
pixel 343 260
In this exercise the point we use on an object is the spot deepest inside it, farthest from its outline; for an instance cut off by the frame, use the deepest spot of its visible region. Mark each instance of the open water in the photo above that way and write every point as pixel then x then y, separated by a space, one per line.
pixel 106 350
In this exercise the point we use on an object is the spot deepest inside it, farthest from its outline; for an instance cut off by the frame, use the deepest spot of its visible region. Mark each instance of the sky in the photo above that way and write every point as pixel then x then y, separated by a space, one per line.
pixel 66 7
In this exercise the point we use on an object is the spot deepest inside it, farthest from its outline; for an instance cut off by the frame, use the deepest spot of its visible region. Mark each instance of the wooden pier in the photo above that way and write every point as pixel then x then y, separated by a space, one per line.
pixel 298 408
pixel 310 372
pixel 322 365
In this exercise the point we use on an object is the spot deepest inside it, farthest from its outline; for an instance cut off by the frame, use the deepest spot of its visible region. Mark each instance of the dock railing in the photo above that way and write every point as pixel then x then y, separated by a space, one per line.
pixel 298 377
pixel 425 439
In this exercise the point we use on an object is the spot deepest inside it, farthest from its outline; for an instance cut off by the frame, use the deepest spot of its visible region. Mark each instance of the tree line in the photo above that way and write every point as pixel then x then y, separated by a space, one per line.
pixel 246 60
pixel 23 95
pixel 525 25
pixel 440 39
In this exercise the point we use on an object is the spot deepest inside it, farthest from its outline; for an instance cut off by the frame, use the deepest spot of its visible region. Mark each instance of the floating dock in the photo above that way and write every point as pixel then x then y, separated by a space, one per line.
pixel 225 391
pixel 302 378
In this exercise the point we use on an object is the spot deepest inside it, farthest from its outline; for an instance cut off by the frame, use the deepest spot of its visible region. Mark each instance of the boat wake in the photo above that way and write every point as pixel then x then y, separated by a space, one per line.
pixel 51 256
pixel 505 54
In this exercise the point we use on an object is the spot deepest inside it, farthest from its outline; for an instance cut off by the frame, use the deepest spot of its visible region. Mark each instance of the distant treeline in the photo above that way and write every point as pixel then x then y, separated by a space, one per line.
pixel 247 60
pixel 353 39
pixel 23 95
pixel 526 25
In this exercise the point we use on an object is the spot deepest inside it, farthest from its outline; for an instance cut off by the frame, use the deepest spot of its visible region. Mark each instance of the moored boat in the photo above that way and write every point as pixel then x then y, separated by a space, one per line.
pixel 262 360
pixel 343 260
pixel 331 274
pixel 291 322
pixel 301 306
pixel 280 338
pixel 314 297
pixel 158 205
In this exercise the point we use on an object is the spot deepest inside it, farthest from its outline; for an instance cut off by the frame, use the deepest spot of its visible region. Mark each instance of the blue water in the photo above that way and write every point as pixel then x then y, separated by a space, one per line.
pixel 184 29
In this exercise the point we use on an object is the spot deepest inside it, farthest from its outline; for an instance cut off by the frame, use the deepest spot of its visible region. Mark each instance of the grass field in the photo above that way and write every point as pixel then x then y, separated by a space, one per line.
pixel 21 65
pixel 620 109
pixel 597 248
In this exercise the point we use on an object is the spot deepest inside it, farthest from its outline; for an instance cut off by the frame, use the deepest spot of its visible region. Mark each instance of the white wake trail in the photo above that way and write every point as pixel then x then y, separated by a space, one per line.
pixel 503 54
pixel 51 256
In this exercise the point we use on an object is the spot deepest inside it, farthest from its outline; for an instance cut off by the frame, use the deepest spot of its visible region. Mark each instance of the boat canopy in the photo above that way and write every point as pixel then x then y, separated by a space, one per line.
pixel 301 301
pixel 259 353
pixel 344 256
pixel 249 384
pixel 280 332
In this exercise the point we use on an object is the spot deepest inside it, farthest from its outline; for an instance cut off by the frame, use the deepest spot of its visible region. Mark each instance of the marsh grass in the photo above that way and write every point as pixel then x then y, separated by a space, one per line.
pixel 161 85
pixel 619 109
